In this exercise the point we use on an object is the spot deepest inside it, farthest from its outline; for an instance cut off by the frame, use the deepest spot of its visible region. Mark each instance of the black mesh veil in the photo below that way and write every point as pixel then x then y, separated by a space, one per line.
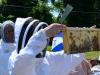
pixel 22 33
pixel 36 25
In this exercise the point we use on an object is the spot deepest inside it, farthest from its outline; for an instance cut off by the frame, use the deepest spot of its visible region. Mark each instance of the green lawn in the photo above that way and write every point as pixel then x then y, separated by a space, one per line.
pixel 92 54
pixel 89 55
pixel 49 48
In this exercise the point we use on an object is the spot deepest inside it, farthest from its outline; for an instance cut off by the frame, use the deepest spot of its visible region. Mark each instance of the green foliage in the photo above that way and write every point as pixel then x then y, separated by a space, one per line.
pixel 3 1
pixel 81 15
pixel 1 18
pixel 84 13
pixel 10 16
pixel 42 12
pixel 27 3
pixel 11 9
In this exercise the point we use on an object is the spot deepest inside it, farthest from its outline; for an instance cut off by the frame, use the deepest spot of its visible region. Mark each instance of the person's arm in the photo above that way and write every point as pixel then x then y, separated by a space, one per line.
pixel 88 68
pixel 24 62
pixel 62 64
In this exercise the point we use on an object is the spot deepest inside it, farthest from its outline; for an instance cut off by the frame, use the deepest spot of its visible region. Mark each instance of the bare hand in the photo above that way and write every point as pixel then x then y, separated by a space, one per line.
pixel 53 29
pixel 94 26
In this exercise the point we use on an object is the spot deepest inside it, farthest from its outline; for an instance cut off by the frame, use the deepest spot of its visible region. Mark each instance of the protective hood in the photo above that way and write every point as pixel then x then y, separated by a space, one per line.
pixel 19 25
pixel 24 29
pixel 8 22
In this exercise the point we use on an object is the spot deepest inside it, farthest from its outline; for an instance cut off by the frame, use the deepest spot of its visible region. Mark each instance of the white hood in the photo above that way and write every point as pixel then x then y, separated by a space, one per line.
pixel 18 26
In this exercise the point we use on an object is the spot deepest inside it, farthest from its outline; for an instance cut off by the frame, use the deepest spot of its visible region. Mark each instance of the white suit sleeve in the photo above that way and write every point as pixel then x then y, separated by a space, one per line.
pixel 26 58
pixel 62 64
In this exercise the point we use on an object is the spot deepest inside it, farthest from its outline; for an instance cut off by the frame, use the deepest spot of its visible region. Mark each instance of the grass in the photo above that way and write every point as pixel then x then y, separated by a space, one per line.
pixel 88 56
pixel 49 48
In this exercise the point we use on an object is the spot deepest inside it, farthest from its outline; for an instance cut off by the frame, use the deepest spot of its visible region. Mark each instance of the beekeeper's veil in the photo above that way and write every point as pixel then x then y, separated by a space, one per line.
pixel 8 22
pixel 24 29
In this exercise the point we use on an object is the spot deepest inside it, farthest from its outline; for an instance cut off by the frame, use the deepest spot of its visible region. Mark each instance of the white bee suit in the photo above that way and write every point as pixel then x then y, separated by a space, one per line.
pixel 5 50
pixel 54 63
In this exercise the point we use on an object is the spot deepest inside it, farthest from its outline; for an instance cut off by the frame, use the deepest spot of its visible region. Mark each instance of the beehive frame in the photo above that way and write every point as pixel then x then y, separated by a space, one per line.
pixel 79 40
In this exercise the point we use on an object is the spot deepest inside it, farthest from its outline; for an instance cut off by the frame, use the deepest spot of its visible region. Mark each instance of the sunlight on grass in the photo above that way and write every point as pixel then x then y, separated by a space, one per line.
pixel 92 54
pixel 89 55
pixel 49 48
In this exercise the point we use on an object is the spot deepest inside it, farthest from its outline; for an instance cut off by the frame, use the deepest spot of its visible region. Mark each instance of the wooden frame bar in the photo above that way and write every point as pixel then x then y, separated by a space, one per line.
pixel 80 40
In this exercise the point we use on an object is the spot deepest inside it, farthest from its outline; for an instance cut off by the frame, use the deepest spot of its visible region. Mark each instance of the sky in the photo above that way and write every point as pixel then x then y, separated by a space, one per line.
pixel 54 12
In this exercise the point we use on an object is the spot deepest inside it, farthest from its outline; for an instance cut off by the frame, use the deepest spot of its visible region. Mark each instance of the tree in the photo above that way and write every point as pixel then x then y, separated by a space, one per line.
pixel 83 13
pixel 97 7
pixel 42 12
pixel 18 8
pixel 11 9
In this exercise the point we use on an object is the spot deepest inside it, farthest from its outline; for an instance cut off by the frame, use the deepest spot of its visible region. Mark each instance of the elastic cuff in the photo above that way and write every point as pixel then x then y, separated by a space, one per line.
pixel 42 34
